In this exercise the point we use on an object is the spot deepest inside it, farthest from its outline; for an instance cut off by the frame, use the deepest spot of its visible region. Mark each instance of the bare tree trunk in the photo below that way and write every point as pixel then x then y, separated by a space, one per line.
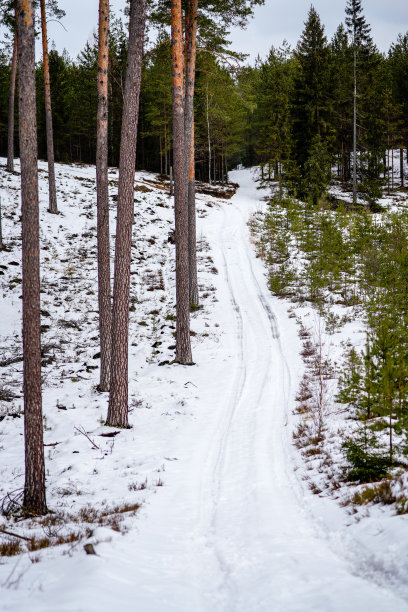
pixel 355 129
pixel 52 194
pixel 192 239
pixel 165 144
pixel 402 166
pixel 1 228
pixel 191 54
pixel 34 488
pixel 209 142
pixel 392 161
pixel 161 153
pixel 12 94
pixel 183 345
pixel 102 197
pixel 171 189
pixel 118 399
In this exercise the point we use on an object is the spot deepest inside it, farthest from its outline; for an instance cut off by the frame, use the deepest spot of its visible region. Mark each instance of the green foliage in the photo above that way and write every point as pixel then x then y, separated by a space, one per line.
pixel 355 258
pixel 367 460
pixel 317 173
pixel 372 180
pixel 311 107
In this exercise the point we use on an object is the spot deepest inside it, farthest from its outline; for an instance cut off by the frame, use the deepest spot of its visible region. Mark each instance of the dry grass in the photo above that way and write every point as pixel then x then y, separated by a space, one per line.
pixel 10 548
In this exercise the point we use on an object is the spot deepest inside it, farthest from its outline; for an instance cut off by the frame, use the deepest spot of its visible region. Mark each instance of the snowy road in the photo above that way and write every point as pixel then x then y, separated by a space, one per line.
pixel 229 531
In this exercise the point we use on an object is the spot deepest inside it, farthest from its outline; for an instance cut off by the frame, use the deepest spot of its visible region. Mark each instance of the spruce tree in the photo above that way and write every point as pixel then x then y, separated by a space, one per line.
pixel 340 87
pixel 272 90
pixel 360 40
pixel 311 102
pixel 398 59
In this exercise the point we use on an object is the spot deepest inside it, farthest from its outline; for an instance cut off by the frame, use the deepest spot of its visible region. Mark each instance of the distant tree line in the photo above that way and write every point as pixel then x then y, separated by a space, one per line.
pixel 292 113
pixel 306 103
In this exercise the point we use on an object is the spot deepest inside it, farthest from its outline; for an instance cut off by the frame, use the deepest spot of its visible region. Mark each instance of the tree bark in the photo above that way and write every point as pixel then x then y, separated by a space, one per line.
pixel 392 161
pixel 118 399
pixel 402 166
pixel 102 199
pixel 183 345
pixel 192 238
pixel 1 228
pixel 191 53
pixel 52 194
pixel 209 141
pixel 355 127
pixel 34 488
pixel 12 93
pixel 171 188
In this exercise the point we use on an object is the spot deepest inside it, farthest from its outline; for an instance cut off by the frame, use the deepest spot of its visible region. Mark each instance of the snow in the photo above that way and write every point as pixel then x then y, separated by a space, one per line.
pixel 227 522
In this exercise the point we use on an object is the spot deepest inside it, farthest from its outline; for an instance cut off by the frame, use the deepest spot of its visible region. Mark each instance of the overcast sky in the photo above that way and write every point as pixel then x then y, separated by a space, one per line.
pixel 277 20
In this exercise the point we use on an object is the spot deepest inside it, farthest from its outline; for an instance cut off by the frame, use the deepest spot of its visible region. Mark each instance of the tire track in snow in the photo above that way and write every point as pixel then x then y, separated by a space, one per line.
pixel 268 553
pixel 212 479
pixel 247 326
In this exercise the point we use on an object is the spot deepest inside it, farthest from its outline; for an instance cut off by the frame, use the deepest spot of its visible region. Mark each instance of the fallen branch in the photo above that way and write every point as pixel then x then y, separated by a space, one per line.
pixel 190 383
pixel 10 360
pixel 15 535
pixel 83 432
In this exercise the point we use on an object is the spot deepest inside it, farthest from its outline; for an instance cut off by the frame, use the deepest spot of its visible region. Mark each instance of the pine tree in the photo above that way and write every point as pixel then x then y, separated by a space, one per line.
pixel 13 75
pixel 191 52
pixel 359 32
pixel 34 488
pixel 156 101
pixel 183 345
pixel 102 194
pixel 118 398
pixel 52 206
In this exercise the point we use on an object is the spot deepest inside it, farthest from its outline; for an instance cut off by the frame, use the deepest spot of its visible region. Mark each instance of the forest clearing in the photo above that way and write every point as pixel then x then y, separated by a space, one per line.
pixel 203 330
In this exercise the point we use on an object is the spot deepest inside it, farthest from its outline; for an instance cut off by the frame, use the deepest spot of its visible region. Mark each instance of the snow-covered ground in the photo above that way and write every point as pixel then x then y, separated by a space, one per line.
pixel 227 522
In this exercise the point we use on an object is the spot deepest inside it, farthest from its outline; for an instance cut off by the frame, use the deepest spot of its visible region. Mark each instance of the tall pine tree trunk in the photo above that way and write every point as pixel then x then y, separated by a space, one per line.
pixel 118 399
pixel 355 128
pixel 102 197
pixel 402 166
pixel 52 206
pixel 209 141
pixel 12 94
pixel 192 239
pixel 34 488
pixel 191 53
pixel 183 345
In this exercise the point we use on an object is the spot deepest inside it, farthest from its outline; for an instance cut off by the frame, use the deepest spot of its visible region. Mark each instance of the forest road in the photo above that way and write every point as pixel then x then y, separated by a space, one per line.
pixel 270 557
pixel 229 531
